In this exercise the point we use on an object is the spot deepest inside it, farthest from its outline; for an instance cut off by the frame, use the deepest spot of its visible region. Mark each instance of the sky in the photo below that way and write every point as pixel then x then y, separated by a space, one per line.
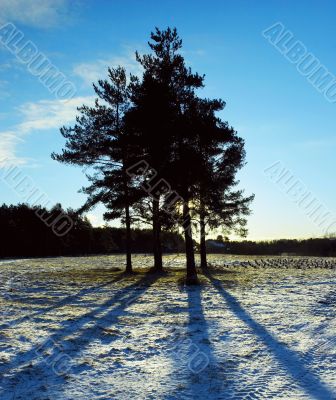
pixel 287 123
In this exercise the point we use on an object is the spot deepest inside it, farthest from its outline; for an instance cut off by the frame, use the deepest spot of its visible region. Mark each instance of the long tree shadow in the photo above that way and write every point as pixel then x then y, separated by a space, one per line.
pixel 206 376
pixel 61 303
pixel 57 344
pixel 197 372
pixel 287 358
pixel 324 335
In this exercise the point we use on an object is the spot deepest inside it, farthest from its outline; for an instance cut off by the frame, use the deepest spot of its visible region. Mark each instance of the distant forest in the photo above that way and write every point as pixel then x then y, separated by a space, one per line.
pixel 25 235
pixel 320 247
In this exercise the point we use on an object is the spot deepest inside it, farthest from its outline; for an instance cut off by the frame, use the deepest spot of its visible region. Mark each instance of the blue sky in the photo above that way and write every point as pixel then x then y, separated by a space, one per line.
pixel 280 115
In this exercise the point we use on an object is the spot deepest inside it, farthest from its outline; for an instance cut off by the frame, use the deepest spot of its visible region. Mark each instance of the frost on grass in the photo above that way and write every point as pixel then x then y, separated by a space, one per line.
pixel 74 328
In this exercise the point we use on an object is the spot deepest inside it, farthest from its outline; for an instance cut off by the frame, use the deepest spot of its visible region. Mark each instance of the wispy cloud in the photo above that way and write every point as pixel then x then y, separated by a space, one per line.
pixel 40 116
pixel 49 114
pixel 92 71
pixel 8 142
pixel 38 13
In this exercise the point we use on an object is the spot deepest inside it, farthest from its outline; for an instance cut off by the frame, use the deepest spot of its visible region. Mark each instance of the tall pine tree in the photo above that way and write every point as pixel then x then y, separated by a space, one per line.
pixel 99 140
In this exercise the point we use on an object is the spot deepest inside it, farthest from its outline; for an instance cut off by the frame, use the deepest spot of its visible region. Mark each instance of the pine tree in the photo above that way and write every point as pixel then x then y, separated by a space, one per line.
pixel 160 101
pixel 221 155
pixel 99 140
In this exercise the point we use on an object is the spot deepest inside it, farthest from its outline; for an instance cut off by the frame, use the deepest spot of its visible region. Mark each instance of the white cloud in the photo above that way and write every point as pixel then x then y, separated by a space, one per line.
pixel 38 13
pixel 8 143
pixel 50 114
pixel 39 116
pixel 91 72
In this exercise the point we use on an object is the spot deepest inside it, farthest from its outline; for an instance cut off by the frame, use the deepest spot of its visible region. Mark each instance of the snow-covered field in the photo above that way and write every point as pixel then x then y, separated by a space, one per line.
pixel 77 328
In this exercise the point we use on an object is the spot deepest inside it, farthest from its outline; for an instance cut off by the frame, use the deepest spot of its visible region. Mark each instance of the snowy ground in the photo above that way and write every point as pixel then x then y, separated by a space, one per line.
pixel 77 328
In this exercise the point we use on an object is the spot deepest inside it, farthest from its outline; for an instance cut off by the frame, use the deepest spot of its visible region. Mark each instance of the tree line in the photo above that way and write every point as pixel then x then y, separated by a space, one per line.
pixel 155 152
pixel 319 247
pixel 23 234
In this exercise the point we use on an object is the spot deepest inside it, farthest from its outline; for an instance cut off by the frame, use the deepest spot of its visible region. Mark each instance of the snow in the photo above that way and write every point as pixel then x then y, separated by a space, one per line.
pixel 76 328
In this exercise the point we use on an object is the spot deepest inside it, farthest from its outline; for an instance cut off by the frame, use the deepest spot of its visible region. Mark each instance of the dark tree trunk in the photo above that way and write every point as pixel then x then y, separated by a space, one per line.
pixel 189 246
pixel 204 263
pixel 129 268
pixel 157 247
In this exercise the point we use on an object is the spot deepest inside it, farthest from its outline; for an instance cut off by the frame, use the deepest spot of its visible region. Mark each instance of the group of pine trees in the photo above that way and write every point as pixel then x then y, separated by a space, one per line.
pixel 159 153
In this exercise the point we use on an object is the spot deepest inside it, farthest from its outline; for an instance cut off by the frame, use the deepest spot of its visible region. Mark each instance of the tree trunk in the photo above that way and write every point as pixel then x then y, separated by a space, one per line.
pixel 189 246
pixel 157 247
pixel 204 263
pixel 129 268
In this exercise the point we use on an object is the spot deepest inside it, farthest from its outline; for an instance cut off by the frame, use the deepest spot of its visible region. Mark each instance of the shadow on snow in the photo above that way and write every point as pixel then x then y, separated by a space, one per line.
pixel 64 302
pixel 102 317
pixel 287 358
